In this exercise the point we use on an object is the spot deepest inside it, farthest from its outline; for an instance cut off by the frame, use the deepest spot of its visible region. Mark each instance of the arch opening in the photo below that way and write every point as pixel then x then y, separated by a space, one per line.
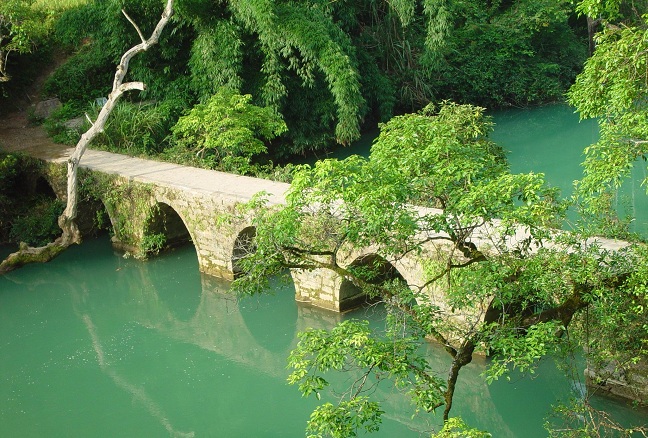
pixel 373 269
pixel 93 218
pixel 30 209
pixel 44 188
pixel 164 230
pixel 243 246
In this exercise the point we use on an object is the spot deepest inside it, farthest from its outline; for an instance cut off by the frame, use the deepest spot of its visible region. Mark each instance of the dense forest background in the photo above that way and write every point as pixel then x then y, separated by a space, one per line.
pixel 329 70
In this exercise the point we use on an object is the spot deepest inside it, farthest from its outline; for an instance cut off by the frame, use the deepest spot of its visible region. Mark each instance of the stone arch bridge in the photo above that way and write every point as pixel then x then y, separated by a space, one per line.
pixel 152 200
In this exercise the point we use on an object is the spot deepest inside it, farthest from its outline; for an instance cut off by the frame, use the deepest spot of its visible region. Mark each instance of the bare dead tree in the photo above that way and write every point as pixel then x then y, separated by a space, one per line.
pixel 67 221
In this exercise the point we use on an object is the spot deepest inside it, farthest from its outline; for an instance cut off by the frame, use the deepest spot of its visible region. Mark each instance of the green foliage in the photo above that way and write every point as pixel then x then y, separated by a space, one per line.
pixel 22 27
pixel 8 181
pixel 152 244
pixel 39 224
pixel 456 428
pixel 523 353
pixel 216 59
pixel 628 308
pixel 56 126
pixel 86 76
pixel 71 28
pixel 350 346
pixel 138 128
pixel 520 55
pixel 326 67
pixel 25 216
pixel 226 131
pixel 612 89
pixel 345 419
pixel 433 188
pixel 612 10
pixel 582 420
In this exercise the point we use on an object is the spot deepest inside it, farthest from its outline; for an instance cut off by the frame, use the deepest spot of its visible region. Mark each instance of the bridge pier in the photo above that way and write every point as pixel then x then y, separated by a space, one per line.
pixel 319 287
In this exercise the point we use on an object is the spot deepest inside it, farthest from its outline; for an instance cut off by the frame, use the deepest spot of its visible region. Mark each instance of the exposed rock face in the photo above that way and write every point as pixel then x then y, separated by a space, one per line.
pixel 45 108
pixel 76 123
pixel 630 382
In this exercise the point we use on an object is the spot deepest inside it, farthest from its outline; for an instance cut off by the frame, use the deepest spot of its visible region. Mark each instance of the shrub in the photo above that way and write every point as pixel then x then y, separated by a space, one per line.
pixel 39 223
pixel 85 76
pixel 139 128
pixel 227 131
pixel 59 130
pixel 72 27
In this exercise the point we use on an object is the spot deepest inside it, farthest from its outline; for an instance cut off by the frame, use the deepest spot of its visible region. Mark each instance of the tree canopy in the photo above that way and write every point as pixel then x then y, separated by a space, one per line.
pixel 437 189
pixel 21 27
pixel 612 88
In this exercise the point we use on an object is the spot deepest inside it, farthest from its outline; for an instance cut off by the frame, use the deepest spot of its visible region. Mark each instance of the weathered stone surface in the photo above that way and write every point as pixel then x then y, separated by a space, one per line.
pixel 45 108
pixel 630 382
pixel 76 123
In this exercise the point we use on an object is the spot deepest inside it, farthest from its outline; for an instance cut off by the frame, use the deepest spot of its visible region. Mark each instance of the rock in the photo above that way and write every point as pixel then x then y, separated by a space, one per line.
pixel 45 108
pixel 630 382
pixel 76 123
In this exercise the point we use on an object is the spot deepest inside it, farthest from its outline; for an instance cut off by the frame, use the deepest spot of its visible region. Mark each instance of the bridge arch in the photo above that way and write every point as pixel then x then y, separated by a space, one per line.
pixel 375 269
pixel 43 187
pixel 243 245
pixel 164 228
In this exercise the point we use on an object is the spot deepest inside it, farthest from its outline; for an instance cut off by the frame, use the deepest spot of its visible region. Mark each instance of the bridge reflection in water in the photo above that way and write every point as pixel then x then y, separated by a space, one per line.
pixel 95 344
pixel 257 334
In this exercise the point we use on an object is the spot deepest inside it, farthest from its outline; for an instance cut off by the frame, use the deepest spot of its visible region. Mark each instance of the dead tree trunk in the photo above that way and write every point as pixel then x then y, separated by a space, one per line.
pixel 67 221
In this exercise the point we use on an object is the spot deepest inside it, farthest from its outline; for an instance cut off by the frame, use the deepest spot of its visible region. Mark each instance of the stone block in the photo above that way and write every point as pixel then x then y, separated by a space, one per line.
pixel 45 108
pixel 76 123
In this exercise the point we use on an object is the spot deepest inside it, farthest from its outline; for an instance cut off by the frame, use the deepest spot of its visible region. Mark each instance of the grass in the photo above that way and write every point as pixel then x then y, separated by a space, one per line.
pixel 58 5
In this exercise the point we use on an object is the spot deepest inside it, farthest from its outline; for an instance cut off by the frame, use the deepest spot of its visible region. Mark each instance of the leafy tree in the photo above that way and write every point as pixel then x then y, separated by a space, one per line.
pixel 328 67
pixel 612 88
pixel 512 287
pixel 21 27
pixel 67 221
pixel 227 131
pixel 510 53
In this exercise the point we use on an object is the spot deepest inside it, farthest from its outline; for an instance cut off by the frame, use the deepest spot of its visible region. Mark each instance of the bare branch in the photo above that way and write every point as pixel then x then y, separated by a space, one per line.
pixel 139 32
pixel 66 221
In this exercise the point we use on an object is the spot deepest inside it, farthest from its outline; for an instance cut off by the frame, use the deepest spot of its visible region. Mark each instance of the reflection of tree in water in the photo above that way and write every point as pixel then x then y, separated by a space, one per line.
pixel 239 331
pixel 137 392
pixel 474 405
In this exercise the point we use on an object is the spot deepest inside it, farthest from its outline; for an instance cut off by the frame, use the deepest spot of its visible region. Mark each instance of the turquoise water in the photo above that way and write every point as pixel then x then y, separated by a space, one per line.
pixel 96 345
pixel 551 140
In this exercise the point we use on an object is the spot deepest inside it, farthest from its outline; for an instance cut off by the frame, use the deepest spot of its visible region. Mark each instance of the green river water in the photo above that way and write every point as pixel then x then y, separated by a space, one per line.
pixel 97 345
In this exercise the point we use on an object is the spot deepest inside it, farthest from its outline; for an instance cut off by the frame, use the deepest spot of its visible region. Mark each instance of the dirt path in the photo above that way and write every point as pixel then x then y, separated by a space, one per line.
pixel 17 134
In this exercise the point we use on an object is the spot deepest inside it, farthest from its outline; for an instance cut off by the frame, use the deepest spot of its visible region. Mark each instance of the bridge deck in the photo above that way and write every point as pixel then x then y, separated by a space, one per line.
pixel 18 136
pixel 188 178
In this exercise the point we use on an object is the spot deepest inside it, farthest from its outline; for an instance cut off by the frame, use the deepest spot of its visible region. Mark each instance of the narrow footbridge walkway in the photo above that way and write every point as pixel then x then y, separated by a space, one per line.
pixel 18 135
pixel 207 182
pixel 194 204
